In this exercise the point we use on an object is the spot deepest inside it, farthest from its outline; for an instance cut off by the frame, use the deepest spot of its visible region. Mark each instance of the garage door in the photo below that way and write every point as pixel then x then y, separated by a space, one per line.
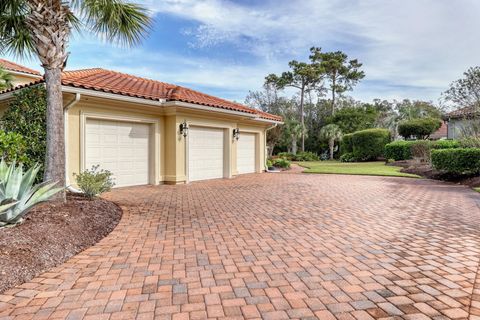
pixel 246 153
pixel 205 153
pixel 120 147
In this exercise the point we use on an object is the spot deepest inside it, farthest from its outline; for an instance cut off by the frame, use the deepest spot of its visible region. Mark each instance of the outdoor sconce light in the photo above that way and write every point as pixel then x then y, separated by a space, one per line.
pixel 236 134
pixel 184 128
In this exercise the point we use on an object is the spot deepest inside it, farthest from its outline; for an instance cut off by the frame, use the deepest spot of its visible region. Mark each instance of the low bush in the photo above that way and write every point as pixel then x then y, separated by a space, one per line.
pixel 419 128
pixel 281 163
pixel 13 147
pixel 369 144
pixel 470 142
pixel 459 161
pixel 420 150
pixel 445 144
pixel 269 163
pixel 94 182
pixel 399 150
pixel 300 156
pixel 306 156
pixel 346 144
pixel 347 157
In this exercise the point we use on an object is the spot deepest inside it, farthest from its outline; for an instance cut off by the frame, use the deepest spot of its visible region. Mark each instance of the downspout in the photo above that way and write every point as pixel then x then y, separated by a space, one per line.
pixel 65 128
pixel 265 150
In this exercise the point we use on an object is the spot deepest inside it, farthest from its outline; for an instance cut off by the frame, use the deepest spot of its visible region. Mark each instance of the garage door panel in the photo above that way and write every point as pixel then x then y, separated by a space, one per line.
pixel 120 147
pixel 206 153
pixel 246 156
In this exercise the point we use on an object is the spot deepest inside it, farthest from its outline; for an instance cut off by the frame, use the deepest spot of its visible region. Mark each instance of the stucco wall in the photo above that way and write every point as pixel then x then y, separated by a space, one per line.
pixel 457 127
pixel 170 147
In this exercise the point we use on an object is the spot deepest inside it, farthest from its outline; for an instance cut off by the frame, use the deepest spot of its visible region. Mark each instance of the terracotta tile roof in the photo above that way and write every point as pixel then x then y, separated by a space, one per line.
pixel 129 85
pixel 462 112
pixel 8 65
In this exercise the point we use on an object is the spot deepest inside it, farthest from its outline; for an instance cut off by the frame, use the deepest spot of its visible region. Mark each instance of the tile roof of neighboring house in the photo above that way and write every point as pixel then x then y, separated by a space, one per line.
pixel 462 112
pixel 125 84
pixel 8 65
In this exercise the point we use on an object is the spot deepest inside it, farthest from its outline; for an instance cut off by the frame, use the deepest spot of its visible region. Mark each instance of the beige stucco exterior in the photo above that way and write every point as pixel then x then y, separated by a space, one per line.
pixel 168 149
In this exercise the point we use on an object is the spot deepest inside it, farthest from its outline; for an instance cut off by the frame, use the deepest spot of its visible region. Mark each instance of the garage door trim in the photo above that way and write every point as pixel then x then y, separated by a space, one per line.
pixel 154 156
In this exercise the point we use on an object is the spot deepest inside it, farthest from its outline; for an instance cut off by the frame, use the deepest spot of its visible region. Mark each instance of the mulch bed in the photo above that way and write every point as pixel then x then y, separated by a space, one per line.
pixel 426 171
pixel 51 234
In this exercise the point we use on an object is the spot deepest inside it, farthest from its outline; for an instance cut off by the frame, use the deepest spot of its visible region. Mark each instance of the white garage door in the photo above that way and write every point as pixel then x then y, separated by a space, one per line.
pixel 246 153
pixel 205 153
pixel 120 147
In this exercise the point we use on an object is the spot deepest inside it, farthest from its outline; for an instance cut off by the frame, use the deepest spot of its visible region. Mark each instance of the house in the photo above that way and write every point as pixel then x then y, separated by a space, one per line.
pixel 150 132
pixel 460 120
pixel 441 133
pixel 20 74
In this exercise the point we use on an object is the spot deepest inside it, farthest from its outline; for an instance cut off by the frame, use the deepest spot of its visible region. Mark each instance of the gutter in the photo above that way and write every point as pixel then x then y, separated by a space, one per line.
pixel 209 108
pixel 65 134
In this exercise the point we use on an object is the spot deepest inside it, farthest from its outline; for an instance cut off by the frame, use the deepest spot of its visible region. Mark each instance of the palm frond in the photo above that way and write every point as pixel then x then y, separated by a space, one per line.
pixel 15 37
pixel 116 20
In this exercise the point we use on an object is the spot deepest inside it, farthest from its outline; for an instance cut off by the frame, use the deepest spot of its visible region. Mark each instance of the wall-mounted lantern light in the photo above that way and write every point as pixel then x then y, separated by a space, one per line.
pixel 184 128
pixel 236 134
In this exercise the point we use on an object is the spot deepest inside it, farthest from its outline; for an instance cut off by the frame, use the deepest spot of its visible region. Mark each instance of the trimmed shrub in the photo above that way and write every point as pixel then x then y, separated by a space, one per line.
pixel 459 161
pixel 286 155
pixel 419 128
pixel 13 147
pixel 421 150
pixel 346 144
pixel 445 144
pixel 369 144
pixel 26 115
pixel 470 142
pixel 94 182
pixel 306 156
pixel 281 163
pixel 399 150
pixel 347 157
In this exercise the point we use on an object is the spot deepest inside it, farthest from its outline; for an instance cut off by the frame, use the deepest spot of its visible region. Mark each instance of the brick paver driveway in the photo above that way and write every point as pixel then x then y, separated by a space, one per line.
pixel 273 246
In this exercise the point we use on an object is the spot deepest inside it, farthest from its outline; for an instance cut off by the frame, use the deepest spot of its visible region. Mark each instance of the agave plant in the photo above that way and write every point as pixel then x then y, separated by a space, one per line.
pixel 18 194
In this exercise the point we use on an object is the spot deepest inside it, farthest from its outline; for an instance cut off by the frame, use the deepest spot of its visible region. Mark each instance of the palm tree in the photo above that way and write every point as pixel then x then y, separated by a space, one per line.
pixel 331 133
pixel 5 79
pixel 42 28
pixel 293 130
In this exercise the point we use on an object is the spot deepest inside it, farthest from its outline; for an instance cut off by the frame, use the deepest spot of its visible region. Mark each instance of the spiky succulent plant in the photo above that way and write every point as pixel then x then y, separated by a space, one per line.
pixel 18 194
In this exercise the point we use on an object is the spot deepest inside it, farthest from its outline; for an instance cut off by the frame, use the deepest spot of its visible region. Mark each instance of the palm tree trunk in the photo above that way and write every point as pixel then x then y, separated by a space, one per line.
pixel 302 117
pixel 294 144
pixel 55 159
pixel 331 145
pixel 334 82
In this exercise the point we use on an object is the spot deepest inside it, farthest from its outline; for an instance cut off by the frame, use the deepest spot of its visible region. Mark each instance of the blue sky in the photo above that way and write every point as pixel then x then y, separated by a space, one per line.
pixel 410 48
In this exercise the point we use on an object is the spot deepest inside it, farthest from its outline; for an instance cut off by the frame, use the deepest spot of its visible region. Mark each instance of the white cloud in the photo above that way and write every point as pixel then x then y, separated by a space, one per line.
pixel 410 48
pixel 408 44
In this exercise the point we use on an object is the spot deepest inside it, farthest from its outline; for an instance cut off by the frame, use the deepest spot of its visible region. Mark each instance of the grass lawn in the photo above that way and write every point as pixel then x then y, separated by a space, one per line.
pixel 476 189
pixel 377 168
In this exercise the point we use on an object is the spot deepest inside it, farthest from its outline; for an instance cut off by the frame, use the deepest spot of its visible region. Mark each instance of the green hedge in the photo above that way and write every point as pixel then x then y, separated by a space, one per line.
pixel 445 144
pixel 402 150
pixel 419 128
pixel 346 145
pixel 13 147
pixel 458 161
pixel 26 115
pixel 399 150
pixel 300 156
pixel 370 144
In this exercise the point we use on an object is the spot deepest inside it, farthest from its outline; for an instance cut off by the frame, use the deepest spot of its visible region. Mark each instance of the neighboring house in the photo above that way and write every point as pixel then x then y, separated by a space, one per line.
pixel 21 74
pixel 135 127
pixel 460 119
pixel 441 133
